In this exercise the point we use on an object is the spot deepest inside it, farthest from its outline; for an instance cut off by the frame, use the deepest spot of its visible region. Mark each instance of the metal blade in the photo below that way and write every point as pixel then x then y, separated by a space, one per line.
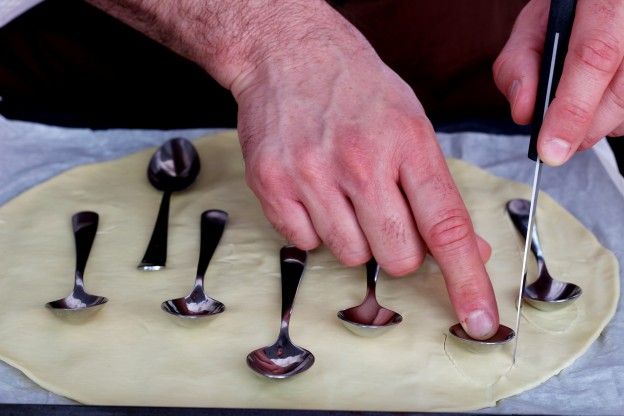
pixel 534 194
pixel 527 247
pixel 559 28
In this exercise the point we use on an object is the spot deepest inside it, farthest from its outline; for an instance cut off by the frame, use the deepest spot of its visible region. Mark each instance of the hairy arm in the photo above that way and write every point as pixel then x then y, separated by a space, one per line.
pixel 229 39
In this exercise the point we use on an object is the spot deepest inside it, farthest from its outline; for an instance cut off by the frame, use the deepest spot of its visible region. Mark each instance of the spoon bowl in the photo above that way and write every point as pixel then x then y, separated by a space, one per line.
pixel 556 296
pixel 370 319
pixel 545 293
pixel 503 336
pixel 75 310
pixel 173 167
pixel 191 307
pixel 355 320
pixel 73 303
pixel 280 361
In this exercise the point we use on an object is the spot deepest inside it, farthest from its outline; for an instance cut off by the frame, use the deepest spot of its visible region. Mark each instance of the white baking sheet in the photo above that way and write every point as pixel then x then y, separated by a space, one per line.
pixel 589 187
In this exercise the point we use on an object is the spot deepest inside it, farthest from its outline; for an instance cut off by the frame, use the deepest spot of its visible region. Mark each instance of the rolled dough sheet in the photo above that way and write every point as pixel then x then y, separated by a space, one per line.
pixel 132 353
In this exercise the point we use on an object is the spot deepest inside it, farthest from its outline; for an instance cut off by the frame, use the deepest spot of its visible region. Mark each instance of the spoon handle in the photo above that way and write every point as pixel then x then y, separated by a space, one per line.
pixel 372 272
pixel 212 225
pixel 518 210
pixel 292 261
pixel 155 256
pixel 85 225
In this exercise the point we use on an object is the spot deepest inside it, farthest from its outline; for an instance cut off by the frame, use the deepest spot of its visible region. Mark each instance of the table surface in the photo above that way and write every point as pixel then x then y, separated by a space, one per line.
pixel 32 153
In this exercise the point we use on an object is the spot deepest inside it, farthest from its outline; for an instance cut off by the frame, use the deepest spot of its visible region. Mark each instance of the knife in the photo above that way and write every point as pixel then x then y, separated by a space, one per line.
pixel 560 19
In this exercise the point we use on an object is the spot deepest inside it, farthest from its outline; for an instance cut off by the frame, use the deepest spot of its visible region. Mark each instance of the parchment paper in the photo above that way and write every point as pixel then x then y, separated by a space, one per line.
pixel 31 153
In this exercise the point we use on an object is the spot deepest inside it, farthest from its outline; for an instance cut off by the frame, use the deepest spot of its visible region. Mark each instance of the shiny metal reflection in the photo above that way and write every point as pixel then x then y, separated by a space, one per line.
pixel 502 337
pixel 370 319
pixel 545 293
pixel 197 304
pixel 84 225
pixel 173 167
pixel 284 359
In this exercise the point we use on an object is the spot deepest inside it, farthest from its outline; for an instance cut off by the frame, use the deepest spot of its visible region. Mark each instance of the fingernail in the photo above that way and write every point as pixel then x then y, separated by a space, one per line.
pixel 479 324
pixel 513 92
pixel 555 151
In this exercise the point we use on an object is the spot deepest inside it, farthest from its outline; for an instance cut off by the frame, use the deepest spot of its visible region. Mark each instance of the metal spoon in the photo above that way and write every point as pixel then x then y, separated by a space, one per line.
pixel 84 225
pixel 369 318
pixel 284 359
pixel 197 304
pixel 174 167
pixel 503 336
pixel 545 293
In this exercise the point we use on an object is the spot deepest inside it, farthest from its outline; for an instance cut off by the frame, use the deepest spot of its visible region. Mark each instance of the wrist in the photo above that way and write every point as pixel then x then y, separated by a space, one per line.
pixel 302 35
pixel 238 41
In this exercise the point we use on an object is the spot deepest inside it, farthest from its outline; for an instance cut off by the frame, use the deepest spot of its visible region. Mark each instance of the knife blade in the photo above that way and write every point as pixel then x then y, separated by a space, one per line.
pixel 560 20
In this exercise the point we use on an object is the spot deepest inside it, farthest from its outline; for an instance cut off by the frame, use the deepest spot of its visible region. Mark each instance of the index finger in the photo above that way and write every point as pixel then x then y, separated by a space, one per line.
pixel 443 222
pixel 595 52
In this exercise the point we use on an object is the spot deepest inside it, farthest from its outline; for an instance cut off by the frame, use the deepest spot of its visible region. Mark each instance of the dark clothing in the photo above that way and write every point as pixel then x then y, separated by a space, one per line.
pixel 67 63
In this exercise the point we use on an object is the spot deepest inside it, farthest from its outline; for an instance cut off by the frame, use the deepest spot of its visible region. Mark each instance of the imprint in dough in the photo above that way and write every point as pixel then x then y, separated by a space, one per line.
pixel 481 369
pixel 554 321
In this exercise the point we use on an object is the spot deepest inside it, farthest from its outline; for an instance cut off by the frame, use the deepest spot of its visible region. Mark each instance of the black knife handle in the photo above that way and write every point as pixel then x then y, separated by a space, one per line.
pixel 560 20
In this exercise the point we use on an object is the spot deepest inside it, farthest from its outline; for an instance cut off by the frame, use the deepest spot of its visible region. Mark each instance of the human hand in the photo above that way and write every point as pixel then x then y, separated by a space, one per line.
pixel 589 101
pixel 337 147
pixel 338 150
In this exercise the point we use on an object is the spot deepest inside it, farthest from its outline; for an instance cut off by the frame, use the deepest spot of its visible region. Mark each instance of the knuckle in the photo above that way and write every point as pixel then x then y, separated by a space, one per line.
pixel 513 57
pixel 575 111
pixel 354 160
pixel 265 177
pixel 358 178
pixel 285 223
pixel 436 183
pixel 345 251
pixel 451 231
pixel 304 241
pixel 419 126
pixel 351 259
pixel 466 289
pixel 615 90
pixel 287 232
pixel 501 64
pixel 600 51
pixel 308 166
pixel 412 134
pixel 393 230
pixel 403 266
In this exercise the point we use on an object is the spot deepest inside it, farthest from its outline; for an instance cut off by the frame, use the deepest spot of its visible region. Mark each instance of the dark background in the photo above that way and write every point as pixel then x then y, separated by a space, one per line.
pixel 67 63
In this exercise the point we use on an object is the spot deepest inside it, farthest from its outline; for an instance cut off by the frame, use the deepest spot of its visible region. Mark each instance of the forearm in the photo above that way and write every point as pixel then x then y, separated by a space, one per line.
pixel 229 39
